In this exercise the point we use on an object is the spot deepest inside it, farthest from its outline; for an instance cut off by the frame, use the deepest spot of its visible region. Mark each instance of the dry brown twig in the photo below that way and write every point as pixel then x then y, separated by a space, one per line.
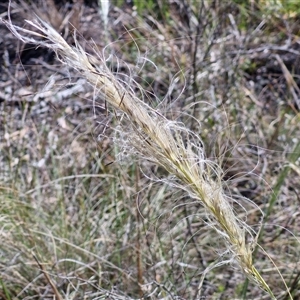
pixel 160 140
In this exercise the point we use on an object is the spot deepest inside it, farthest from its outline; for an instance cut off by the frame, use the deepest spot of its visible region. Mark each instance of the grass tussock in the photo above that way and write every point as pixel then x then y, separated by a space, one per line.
pixel 105 232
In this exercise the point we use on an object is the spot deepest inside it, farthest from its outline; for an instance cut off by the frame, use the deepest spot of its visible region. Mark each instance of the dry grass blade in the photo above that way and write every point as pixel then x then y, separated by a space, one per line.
pixel 53 286
pixel 160 140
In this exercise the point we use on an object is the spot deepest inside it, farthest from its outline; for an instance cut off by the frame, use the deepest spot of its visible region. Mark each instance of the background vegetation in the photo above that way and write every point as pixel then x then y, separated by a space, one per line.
pixel 83 218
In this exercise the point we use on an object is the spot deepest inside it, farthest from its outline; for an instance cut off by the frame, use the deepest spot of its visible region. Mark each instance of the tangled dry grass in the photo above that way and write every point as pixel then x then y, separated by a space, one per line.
pixel 160 137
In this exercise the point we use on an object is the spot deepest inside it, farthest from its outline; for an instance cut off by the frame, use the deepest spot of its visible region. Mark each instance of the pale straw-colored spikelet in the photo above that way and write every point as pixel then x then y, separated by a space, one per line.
pixel 159 140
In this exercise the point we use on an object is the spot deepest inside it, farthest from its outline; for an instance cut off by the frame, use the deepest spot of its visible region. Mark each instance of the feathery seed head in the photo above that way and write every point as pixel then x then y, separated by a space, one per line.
pixel 166 143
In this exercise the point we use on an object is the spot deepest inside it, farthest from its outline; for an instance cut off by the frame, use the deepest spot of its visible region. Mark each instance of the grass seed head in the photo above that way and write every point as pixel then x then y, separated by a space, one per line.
pixel 157 139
